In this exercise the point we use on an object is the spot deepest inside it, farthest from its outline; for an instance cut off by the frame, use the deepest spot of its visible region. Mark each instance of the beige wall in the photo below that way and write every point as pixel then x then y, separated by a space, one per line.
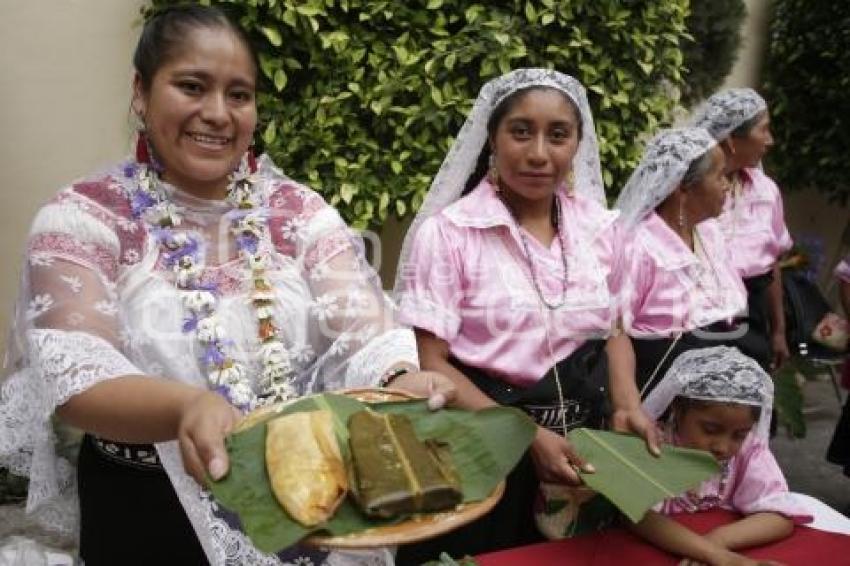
pixel 64 95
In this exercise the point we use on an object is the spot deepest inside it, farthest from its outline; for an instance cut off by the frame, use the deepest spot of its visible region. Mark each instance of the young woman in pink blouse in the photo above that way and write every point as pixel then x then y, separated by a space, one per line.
pixel 505 277
pixel 752 220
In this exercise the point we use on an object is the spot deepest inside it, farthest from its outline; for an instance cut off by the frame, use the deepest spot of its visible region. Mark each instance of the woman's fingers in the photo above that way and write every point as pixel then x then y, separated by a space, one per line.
pixel 205 423
pixel 555 459
pixel 191 461
pixel 439 389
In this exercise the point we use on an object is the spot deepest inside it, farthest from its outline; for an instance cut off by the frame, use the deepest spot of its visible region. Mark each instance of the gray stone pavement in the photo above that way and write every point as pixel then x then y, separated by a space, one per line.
pixel 804 460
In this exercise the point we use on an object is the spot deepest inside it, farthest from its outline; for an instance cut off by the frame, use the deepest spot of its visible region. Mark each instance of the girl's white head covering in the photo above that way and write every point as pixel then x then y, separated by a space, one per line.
pixel 721 374
pixel 728 109
pixel 665 161
pixel 462 157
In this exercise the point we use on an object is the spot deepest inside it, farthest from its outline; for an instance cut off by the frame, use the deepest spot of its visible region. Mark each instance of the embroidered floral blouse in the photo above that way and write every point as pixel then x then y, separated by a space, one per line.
pixel 98 301
pixel 750 482
pixel 665 288
pixel 754 224
pixel 469 282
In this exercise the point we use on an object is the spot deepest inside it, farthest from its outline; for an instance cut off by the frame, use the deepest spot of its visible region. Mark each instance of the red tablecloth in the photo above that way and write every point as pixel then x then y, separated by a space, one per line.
pixel 616 547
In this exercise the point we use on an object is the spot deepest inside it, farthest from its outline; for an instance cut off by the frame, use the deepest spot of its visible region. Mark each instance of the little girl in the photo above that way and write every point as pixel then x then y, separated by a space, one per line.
pixel 720 401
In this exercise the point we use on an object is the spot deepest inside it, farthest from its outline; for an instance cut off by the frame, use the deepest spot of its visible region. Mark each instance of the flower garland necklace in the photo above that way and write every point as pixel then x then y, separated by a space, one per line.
pixel 181 251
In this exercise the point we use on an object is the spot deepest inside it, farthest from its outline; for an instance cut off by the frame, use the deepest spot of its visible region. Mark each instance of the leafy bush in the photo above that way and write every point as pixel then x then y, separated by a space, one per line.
pixel 716 29
pixel 367 94
pixel 807 79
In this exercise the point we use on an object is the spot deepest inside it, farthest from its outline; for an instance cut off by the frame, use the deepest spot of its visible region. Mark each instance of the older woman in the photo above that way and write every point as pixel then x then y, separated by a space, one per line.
pixel 167 295
pixel 677 287
pixel 752 219
pixel 504 276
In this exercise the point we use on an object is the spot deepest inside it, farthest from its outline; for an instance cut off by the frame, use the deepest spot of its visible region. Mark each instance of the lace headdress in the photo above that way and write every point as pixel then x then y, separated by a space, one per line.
pixel 663 166
pixel 462 157
pixel 726 110
pixel 720 374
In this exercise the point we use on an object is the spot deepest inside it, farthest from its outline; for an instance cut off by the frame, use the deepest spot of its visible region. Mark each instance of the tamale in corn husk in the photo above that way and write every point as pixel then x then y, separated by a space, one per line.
pixel 305 467
pixel 395 473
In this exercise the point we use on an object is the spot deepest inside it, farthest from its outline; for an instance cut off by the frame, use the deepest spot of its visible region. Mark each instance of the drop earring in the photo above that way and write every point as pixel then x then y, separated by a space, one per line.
pixel 569 183
pixel 252 159
pixel 142 151
pixel 492 172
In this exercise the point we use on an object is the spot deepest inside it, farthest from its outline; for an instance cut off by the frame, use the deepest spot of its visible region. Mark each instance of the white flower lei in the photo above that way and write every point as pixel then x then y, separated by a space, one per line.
pixel 224 374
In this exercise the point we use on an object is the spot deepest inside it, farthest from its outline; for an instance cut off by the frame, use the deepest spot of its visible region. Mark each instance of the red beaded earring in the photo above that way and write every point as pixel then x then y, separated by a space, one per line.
pixel 142 152
pixel 252 160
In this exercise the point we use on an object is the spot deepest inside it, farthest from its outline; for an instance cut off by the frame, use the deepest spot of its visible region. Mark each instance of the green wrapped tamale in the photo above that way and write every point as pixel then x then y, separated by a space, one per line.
pixel 393 472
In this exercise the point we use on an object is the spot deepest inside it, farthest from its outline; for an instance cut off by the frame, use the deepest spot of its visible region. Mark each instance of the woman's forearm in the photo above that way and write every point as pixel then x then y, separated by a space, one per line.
pixel 754 530
pixel 621 370
pixel 433 356
pixel 134 408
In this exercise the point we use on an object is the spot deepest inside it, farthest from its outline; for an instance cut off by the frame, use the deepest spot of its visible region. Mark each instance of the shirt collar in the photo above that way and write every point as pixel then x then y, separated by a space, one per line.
pixel 665 246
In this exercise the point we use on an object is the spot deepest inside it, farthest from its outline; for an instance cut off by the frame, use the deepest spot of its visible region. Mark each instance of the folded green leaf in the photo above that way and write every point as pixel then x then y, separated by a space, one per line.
pixel 634 480
pixel 485 446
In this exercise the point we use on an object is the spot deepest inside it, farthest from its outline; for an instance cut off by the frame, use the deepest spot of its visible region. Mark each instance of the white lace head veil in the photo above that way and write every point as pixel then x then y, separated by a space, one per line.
pixel 726 110
pixel 665 161
pixel 720 374
pixel 462 157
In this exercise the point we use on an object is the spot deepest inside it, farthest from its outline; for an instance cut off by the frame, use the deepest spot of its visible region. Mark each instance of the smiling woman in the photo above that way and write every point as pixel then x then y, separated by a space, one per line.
pixel 198 108
pixel 167 296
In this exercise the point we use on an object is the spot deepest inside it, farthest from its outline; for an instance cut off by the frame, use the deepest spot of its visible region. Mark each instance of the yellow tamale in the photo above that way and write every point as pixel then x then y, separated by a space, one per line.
pixel 395 473
pixel 305 467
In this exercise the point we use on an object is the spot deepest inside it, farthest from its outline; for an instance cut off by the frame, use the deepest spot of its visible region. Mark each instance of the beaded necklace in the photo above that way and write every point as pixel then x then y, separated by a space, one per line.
pixel 182 252
pixel 529 260
pixel 717 298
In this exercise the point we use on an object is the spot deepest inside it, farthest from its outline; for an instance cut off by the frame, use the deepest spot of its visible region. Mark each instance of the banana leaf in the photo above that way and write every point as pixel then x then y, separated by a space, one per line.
pixel 485 446
pixel 633 479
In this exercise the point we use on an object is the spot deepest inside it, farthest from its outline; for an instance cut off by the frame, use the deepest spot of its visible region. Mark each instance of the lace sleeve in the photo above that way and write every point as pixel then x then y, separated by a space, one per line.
pixel 356 320
pixel 64 339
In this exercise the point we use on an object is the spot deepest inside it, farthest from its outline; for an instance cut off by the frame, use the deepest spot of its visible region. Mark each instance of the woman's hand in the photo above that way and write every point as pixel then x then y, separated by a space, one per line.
pixel 634 420
pixel 556 459
pixel 779 346
pixel 206 419
pixel 438 388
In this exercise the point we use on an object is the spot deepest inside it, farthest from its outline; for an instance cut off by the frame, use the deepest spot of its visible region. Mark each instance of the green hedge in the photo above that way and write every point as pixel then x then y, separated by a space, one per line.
pixel 716 29
pixel 806 82
pixel 367 95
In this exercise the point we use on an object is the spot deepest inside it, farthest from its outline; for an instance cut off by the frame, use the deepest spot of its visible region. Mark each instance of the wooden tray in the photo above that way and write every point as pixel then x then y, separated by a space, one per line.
pixel 415 529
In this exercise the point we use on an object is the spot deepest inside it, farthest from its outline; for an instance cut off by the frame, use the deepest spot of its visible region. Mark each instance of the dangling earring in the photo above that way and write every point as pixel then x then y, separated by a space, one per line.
pixel 492 172
pixel 142 151
pixel 682 222
pixel 569 183
pixel 252 159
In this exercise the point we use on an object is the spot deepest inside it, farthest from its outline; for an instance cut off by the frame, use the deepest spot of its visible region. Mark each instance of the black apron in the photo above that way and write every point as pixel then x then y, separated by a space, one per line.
pixel 584 384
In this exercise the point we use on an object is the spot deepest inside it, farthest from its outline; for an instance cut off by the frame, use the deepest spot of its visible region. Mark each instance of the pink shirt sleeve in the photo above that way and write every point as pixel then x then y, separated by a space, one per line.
pixel 431 286
pixel 628 280
pixel 761 487
pixel 777 224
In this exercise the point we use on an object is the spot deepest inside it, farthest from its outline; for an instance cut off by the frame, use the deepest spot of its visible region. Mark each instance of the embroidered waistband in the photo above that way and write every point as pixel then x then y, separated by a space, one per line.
pixel 139 455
